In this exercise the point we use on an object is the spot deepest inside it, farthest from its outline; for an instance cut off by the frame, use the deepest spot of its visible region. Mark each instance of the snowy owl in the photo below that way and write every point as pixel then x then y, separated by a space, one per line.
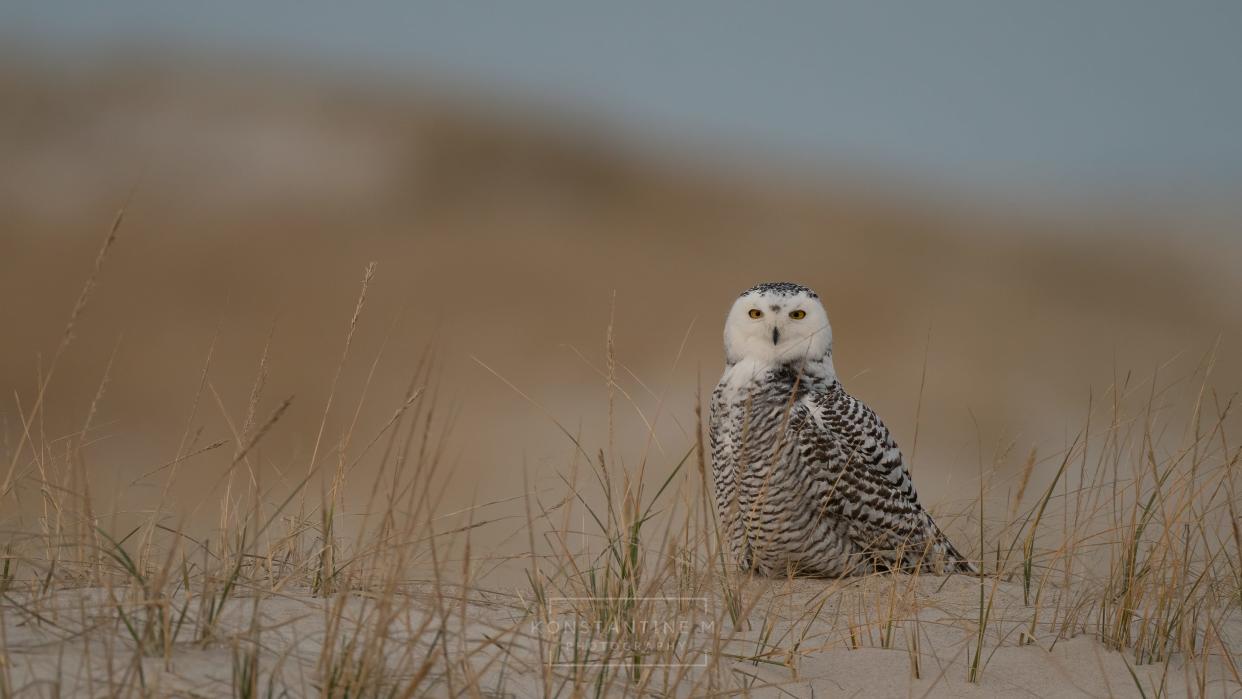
pixel 808 480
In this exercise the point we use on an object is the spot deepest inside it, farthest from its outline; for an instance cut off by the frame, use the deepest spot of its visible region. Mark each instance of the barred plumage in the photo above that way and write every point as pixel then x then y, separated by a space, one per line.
pixel 808 480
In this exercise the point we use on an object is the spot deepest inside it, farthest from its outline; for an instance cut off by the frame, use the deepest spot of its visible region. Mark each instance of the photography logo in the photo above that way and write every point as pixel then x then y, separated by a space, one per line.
pixel 625 631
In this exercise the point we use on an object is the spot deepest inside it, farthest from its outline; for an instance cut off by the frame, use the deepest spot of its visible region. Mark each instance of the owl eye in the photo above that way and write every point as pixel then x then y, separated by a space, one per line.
pixel 798 314
pixel 756 313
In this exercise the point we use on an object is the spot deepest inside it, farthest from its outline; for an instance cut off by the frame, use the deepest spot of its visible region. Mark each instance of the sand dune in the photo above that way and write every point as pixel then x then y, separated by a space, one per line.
pixel 509 244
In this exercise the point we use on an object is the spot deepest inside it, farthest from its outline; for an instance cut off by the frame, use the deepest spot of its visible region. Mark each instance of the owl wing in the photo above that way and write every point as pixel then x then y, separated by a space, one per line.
pixel 861 479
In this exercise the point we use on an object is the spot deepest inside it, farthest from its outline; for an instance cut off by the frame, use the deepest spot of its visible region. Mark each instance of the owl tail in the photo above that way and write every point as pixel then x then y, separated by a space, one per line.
pixel 954 561
pixel 951 560
pixel 943 556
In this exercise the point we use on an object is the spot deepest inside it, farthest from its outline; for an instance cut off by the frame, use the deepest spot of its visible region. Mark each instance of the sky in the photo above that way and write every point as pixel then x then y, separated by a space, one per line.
pixel 1108 96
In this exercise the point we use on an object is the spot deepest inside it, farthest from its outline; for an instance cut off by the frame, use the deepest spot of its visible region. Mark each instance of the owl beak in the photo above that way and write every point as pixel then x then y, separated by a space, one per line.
pixel 776 335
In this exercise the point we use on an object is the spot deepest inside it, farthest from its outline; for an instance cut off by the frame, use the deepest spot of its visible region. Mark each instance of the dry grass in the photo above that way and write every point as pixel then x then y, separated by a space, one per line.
pixel 1122 545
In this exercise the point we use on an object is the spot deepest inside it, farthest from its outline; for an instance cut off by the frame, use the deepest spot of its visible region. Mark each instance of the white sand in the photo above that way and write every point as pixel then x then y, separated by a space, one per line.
pixel 66 653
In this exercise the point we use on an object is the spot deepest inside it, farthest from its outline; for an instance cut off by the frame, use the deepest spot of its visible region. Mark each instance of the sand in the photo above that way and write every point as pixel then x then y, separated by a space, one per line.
pixel 841 651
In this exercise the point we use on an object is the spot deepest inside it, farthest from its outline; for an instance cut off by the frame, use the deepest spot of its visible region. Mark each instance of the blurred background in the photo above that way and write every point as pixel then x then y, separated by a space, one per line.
pixel 1025 202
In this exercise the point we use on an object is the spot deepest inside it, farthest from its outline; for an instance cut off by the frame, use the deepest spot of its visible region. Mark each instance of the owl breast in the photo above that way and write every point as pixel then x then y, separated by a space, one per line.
pixel 770 503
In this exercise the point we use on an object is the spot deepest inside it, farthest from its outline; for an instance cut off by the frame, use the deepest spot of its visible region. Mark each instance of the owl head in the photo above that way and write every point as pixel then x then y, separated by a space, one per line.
pixel 777 323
